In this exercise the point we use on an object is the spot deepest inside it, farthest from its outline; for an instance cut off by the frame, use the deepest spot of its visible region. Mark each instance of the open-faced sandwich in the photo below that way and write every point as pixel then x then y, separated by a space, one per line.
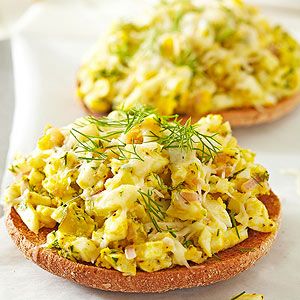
pixel 138 202
pixel 222 57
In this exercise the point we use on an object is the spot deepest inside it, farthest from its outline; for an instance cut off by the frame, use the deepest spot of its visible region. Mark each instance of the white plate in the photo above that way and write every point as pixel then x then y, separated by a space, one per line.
pixel 46 54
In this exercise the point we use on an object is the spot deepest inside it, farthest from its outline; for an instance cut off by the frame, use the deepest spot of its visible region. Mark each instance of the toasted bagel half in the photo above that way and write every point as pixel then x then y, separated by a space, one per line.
pixel 249 116
pixel 245 116
pixel 229 262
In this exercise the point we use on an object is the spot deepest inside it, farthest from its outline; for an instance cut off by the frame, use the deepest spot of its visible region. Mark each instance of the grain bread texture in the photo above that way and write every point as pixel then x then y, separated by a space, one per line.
pixel 229 262
pixel 249 116
pixel 245 116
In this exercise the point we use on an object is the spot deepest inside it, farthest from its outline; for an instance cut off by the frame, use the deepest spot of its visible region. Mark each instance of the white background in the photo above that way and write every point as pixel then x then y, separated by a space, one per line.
pixel 47 51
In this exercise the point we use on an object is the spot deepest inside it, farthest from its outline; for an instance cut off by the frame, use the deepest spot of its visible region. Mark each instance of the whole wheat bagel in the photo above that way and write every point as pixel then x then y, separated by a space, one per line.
pixel 229 262
pixel 244 116
pixel 249 116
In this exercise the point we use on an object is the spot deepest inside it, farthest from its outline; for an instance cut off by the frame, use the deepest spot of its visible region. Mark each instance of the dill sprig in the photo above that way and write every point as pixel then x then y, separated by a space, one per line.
pixel 239 295
pixel 127 120
pixel 236 173
pixel 173 134
pixel 64 207
pixel 91 145
pixel 160 182
pixel 187 243
pixel 153 209
pixel 233 221
pixel 164 187
pixel 187 58
pixel 216 256
pixel 155 212
pixel 123 152
pixel 187 138
pixel 171 231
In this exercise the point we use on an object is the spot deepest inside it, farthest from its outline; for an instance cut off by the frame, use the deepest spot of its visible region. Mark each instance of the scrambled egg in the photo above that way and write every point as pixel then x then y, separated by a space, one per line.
pixel 136 190
pixel 192 59
pixel 244 296
pixel 251 297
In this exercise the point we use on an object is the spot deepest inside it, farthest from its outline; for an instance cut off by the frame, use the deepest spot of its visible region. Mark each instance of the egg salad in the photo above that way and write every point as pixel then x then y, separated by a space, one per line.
pixel 139 191
pixel 192 59
pixel 244 296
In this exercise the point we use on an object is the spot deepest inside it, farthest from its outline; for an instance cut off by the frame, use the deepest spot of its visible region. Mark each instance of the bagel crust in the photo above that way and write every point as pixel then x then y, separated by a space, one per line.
pixel 249 116
pixel 244 116
pixel 227 264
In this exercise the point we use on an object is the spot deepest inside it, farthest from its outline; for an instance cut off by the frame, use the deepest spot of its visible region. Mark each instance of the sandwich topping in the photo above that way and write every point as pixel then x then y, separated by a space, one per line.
pixel 246 296
pixel 192 59
pixel 139 191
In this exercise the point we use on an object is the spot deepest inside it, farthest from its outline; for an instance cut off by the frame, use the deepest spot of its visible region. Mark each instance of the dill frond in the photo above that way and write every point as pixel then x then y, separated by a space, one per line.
pixel 155 212
pixel 173 134
pixel 233 221
pixel 153 209
pixel 239 295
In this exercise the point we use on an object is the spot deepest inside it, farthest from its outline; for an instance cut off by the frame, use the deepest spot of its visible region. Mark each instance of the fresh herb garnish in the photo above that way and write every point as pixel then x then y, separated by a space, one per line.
pixel 65 158
pixel 187 243
pixel 233 221
pixel 237 296
pixel 127 120
pixel 55 244
pixel 186 137
pixel 160 182
pixel 65 206
pixel 173 134
pixel 171 231
pixel 236 173
pixel 91 145
pixel 115 259
pixel 12 169
pixel 153 209
pixel 123 152
pixel 224 34
pixel 187 58
pixel 155 212
pixel 216 256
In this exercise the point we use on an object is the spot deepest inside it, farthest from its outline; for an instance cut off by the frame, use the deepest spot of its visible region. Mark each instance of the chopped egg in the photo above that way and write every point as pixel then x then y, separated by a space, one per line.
pixel 191 58
pixel 139 191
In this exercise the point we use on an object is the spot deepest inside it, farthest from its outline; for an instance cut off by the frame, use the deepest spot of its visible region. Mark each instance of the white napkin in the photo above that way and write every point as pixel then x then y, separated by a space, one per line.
pixel 46 54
